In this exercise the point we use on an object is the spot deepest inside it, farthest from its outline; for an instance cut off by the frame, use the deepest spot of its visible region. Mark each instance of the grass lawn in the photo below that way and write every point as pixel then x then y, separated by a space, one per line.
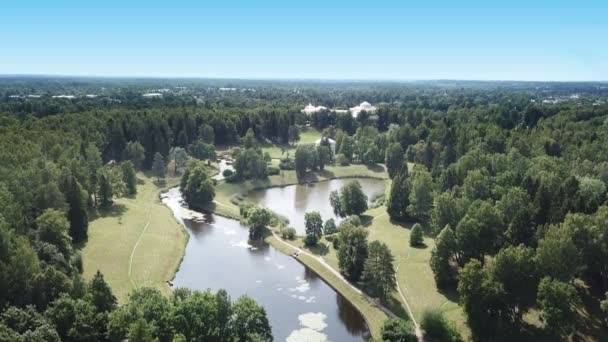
pixel 307 136
pixel 137 243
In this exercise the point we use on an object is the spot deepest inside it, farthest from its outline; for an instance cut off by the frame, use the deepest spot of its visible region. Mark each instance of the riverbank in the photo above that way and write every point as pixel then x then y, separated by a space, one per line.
pixel 136 243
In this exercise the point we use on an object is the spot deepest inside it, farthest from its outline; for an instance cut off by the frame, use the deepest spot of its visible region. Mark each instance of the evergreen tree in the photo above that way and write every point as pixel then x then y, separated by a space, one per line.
pixel 398 199
pixel 379 272
pixel 445 247
pixel 129 177
pixel 394 158
pixel 416 236
pixel 158 166
pixel 105 190
pixel 100 294
pixel 78 214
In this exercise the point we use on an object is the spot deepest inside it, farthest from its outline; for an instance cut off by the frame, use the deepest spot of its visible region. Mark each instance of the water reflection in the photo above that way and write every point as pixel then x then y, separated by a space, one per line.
pixel 294 201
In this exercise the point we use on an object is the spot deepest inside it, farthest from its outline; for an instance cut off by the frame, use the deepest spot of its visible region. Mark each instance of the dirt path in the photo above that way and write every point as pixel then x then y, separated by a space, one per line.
pixel 137 244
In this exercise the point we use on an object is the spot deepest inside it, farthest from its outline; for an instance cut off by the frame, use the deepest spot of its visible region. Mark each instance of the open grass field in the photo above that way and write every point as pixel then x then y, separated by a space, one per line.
pixel 307 136
pixel 137 243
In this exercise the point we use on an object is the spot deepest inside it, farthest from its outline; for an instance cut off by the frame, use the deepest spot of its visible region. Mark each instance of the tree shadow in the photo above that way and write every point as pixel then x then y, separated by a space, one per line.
pixel 160 183
pixel 366 220
pixel 375 168
pixel 319 249
pixel 326 173
pixel 116 210
pixel 420 246
pixel 396 307
pixel 309 177
pixel 449 291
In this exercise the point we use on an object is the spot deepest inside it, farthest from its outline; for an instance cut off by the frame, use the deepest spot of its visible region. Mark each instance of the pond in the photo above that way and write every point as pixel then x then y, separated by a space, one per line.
pixel 293 201
pixel 299 304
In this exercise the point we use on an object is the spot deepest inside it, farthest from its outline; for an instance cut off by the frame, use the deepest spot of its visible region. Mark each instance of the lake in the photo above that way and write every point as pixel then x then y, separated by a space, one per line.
pixel 293 201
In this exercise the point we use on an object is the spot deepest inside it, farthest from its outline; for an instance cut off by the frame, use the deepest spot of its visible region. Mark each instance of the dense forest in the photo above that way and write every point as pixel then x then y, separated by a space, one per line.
pixel 509 177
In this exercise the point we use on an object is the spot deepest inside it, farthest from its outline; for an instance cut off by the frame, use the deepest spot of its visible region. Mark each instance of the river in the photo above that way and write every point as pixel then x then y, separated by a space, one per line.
pixel 299 304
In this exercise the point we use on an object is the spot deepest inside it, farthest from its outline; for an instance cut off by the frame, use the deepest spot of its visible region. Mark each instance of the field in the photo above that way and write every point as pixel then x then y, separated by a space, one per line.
pixel 307 136
pixel 137 243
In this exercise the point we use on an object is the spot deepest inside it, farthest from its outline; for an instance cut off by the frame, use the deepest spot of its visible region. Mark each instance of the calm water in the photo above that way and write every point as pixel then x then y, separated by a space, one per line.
pixel 300 305
pixel 294 201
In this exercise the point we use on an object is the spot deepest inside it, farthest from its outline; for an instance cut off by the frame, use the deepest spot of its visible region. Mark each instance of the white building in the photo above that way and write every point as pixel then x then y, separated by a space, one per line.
pixel 364 106
pixel 332 144
pixel 312 109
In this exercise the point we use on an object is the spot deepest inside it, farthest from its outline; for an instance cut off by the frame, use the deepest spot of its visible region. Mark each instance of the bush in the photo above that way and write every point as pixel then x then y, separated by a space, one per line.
pixel 288 233
pixel 354 220
pixel 310 240
pixel 416 236
pixel 398 330
pixel 287 164
pixel 342 160
pixel 438 328
pixel 227 173
pixel 273 170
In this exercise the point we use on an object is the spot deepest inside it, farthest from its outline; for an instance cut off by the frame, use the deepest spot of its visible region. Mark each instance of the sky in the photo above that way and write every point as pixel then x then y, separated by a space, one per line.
pixel 397 40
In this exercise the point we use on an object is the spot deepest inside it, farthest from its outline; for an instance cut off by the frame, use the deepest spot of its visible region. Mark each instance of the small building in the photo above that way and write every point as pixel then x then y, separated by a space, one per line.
pixel 332 144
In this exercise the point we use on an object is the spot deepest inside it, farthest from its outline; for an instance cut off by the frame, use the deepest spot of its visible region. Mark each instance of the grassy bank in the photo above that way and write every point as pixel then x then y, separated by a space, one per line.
pixel 137 243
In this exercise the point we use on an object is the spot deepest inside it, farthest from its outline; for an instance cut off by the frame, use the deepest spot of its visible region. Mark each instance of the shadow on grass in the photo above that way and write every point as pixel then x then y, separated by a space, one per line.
pixel 397 308
pixel 320 248
pixel 449 291
pixel 326 173
pixel 375 168
pixel 116 210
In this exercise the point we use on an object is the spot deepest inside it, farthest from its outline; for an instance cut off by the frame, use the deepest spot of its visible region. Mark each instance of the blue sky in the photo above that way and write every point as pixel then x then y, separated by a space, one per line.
pixel 485 40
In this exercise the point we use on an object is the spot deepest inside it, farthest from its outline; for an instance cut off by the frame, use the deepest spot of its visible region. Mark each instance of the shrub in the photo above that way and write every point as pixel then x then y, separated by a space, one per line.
pixel 398 330
pixel 437 328
pixel 288 233
pixel 416 236
pixel 342 160
pixel 354 220
pixel 227 173
pixel 273 170
pixel 287 164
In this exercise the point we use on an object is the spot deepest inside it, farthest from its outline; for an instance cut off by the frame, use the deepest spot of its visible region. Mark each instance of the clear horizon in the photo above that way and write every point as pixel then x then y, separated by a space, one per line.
pixel 313 40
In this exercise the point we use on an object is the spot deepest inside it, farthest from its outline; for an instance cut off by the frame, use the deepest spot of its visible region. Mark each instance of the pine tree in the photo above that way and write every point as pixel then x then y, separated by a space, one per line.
pixel 128 176
pixel 76 199
pixel 158 166
pixel 105 190
pixel 101 295
pixel 398 200
pixel 416 236
pixel 379 272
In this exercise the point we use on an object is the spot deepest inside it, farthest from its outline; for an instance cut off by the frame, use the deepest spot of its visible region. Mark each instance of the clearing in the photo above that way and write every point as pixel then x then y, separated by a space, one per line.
pixel 137 243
